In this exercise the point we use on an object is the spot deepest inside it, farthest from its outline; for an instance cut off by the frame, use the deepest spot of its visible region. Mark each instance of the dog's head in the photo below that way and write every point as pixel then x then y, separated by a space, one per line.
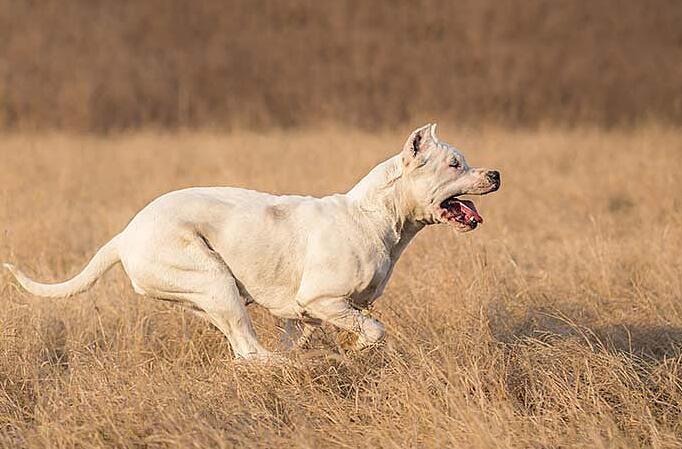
pixel 437 175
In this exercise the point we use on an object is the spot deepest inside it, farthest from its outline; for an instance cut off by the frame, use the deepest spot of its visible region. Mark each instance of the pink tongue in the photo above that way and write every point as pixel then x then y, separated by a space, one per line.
pixel 470 210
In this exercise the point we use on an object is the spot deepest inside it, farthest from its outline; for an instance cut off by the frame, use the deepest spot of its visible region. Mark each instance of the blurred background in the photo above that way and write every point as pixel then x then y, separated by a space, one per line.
pixel 557 324
pixel 101 66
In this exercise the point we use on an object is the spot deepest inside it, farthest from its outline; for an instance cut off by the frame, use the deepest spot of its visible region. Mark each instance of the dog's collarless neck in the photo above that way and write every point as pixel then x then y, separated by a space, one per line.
pixel 379 196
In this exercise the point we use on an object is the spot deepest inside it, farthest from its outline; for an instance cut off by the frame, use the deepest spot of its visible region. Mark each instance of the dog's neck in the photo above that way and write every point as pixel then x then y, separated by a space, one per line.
pixel 382 195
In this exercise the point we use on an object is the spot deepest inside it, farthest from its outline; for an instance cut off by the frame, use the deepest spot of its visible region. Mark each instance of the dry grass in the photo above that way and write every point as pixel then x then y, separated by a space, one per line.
pixel 99 65
pixel 557 324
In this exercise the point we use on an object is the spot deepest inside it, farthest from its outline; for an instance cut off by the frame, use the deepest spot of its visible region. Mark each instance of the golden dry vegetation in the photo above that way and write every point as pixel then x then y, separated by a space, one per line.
pixel 557 324
pixel 99 65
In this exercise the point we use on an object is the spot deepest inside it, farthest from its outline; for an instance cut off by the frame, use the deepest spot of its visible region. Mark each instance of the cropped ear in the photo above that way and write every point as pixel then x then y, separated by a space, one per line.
pixel 419 142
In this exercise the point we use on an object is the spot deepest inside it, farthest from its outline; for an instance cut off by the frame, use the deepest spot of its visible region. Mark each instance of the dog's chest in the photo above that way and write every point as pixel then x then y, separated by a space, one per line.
pixel 374 282
pixel 381 270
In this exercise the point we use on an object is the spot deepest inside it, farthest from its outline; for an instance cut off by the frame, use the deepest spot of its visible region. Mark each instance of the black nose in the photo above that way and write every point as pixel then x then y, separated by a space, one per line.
pixel 494 176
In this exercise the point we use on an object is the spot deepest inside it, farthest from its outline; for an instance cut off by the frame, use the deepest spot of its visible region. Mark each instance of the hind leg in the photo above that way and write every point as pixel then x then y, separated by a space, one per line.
pixel 225 308
pixel 216 297
pixel 185 269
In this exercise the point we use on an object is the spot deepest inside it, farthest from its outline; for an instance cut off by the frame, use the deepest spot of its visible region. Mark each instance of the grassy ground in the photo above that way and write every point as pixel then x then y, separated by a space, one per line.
pixel 94 65
pixel 557 324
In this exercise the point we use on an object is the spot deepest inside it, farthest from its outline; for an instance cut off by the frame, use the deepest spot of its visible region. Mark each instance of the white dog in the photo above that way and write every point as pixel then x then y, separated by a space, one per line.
pixel 310 259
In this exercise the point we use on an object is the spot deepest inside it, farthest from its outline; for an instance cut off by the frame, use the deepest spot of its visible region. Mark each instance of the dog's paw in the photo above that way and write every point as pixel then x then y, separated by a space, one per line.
pixel 347 341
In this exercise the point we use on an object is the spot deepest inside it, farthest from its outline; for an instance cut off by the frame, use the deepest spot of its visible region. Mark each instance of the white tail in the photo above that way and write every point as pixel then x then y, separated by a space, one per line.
pixel 105 258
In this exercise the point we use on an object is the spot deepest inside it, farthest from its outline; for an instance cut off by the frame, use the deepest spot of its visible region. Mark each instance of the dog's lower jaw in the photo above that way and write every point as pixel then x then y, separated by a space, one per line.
pixel 459 227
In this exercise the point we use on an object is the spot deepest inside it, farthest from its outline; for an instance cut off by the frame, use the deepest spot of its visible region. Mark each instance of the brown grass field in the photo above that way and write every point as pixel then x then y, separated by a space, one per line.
pixel 102 65
pixel 557 324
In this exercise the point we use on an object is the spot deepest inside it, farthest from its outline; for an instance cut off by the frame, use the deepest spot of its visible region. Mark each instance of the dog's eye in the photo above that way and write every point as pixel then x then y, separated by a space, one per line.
pixel 455 164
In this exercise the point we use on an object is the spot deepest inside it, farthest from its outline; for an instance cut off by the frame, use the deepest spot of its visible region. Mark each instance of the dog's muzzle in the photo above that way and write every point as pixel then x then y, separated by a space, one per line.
pixel 493 177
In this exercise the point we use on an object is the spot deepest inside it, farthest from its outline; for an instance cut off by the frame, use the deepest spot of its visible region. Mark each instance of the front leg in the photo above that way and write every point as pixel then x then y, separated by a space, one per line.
pixel 338 312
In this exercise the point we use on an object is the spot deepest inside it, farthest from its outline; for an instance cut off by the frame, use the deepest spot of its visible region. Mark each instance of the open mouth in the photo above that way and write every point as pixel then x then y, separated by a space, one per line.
pixel 455 210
